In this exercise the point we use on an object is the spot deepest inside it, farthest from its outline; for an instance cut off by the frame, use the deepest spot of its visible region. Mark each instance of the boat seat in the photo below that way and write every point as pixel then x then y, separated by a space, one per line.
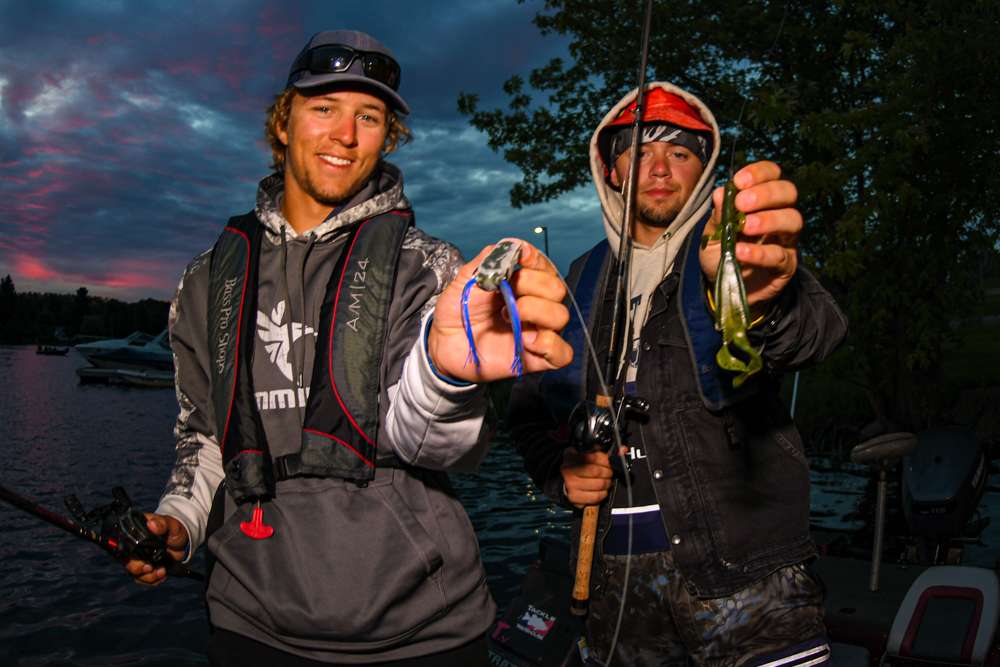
pixel 884 448
pixel 949 616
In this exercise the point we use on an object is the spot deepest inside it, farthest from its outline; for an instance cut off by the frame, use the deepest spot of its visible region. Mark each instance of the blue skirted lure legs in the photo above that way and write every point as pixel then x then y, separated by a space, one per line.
pixel 517 366
pixel 468 325
pixel 493 274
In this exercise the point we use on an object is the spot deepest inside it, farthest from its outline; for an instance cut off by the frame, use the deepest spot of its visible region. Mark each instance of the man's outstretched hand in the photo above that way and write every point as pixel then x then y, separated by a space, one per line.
pixel 767 249
pixel 539 293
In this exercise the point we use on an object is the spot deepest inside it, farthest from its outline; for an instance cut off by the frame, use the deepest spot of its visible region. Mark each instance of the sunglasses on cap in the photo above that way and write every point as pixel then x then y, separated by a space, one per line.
pixel 337 58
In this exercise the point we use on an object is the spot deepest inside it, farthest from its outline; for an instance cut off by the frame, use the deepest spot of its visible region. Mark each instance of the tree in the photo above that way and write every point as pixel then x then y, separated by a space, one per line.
pixel 879 112
pixel 8 309
pixel 81 306
pixel 8 299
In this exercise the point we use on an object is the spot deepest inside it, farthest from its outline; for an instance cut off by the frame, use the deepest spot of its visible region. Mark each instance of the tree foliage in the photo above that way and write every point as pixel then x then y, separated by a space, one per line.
pixel 8 299
pixel 886 115
pixel 31 317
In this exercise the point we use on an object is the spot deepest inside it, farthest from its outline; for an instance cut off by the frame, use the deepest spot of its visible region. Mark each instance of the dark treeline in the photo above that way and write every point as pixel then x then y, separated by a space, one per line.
pixel 61 318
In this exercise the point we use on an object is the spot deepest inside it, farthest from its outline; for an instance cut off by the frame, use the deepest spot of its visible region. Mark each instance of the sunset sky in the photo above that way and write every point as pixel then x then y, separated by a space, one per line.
pixel 131 130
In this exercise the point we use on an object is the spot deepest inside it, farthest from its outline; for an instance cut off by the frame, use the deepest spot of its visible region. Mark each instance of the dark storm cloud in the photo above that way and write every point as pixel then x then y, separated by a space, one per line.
pixel 130 131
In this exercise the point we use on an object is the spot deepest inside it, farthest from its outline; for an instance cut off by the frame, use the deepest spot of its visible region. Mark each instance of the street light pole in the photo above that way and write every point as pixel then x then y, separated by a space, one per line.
pixel 542 229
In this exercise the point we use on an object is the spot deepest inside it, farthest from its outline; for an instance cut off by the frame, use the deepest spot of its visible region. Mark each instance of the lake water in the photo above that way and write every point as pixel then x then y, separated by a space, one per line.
pixel 64 602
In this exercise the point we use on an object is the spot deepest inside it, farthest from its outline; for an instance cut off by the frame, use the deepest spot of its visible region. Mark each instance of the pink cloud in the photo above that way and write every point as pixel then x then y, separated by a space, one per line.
pixel 50 149
pixel 283 29
pixel 192 67
pixel 45 190
pixel 18 94
pixel 32 268
pixel 278 23
pixel 135 274
pixel 131 276
pixel 72 124
pixel 130 281
pixel 101 39
pixel 233 68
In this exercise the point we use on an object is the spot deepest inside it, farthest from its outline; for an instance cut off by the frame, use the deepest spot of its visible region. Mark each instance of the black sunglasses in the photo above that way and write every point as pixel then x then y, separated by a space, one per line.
pixel 337 58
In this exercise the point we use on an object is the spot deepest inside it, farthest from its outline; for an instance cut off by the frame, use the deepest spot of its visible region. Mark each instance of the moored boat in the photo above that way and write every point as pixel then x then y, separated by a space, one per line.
pixel 51 350
pixel 133 377
pixel 136 351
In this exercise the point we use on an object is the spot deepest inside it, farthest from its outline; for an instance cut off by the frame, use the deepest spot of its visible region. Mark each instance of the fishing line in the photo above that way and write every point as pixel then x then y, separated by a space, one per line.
pixel 619 445
pixel 517 369
pixel 743 107
pixel 616 365
pixel 626 237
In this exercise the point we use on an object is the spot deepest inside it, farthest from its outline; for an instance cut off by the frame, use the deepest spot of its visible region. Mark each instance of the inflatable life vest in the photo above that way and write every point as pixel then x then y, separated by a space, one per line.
pixel 588 281
pixel 339 435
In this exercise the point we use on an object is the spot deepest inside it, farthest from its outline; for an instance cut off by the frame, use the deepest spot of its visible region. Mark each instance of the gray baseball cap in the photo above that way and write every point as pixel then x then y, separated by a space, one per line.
pixel 348 56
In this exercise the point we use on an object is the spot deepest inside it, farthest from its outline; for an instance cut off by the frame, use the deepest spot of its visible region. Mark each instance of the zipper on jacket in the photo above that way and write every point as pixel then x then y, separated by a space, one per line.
pixel 302 364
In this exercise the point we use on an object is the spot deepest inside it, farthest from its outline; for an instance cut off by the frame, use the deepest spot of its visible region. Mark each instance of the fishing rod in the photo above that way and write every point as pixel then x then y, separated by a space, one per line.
pixel 603 422
pixel 123 533
pixel 728 302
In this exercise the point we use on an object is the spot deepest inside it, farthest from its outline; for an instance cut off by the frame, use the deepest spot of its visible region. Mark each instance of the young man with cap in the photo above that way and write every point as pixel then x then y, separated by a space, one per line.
pixel 718 493
pixel 319 356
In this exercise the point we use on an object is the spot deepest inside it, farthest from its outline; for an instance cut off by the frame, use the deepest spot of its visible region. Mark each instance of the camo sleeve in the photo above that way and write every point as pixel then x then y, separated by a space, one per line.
pixel 428 422
pixel 197 470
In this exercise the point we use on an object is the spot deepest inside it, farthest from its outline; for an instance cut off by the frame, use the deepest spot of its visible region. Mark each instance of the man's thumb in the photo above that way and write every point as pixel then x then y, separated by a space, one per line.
pixel 156 523
pixel 178 534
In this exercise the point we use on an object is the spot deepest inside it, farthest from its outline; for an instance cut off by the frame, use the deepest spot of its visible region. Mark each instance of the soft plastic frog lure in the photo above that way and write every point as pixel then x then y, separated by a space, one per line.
pixel 732 314
pixel 493 274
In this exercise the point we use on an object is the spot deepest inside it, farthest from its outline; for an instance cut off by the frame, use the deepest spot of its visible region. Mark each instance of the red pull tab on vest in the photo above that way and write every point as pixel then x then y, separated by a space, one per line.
pixel 256 528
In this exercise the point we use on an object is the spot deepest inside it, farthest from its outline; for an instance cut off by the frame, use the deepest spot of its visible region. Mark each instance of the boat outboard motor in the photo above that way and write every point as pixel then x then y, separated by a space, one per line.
pixel 943 481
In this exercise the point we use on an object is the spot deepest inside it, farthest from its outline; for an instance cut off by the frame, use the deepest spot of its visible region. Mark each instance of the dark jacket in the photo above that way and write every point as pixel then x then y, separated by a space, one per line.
pixel 728 467
pixel 732 484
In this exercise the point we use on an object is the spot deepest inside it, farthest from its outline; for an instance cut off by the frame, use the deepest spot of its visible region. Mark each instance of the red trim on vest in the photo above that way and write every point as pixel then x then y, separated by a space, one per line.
pixel 333 326
pixel 960 592
pixel 236 348
pixel 339 441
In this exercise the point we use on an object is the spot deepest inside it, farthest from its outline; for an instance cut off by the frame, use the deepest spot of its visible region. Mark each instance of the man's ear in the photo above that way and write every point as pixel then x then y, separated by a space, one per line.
pixel 613 178
pixel 282 132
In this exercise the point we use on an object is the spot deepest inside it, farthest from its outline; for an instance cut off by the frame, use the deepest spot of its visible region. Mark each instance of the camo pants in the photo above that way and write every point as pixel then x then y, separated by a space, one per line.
pixel 777 621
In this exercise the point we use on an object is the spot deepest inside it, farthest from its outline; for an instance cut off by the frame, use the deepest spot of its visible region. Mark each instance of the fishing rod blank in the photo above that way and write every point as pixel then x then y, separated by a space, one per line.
pixel 123 534
pixel 615 370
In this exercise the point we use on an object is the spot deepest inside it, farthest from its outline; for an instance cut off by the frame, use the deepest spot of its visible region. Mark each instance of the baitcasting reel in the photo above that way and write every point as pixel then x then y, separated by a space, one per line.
pixel 123 528
pixel 592 426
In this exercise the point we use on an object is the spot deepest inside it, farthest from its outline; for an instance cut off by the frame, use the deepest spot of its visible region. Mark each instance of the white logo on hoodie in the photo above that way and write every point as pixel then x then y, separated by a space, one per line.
pixel 273 332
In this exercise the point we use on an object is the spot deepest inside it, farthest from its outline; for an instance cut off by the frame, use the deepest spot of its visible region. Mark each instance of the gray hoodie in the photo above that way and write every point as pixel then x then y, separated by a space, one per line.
pixel 651 264
pixel 351 574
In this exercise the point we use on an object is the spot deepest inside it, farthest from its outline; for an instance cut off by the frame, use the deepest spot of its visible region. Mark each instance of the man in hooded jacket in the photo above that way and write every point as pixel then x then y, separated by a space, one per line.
pixel 320 371
pixel 717 485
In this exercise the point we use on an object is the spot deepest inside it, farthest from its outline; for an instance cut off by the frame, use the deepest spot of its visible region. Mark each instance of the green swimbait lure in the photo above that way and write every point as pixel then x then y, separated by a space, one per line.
pixel 732 314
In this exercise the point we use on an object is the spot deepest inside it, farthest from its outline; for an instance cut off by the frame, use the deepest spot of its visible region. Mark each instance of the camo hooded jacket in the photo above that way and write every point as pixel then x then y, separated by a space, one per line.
pixel 352 574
